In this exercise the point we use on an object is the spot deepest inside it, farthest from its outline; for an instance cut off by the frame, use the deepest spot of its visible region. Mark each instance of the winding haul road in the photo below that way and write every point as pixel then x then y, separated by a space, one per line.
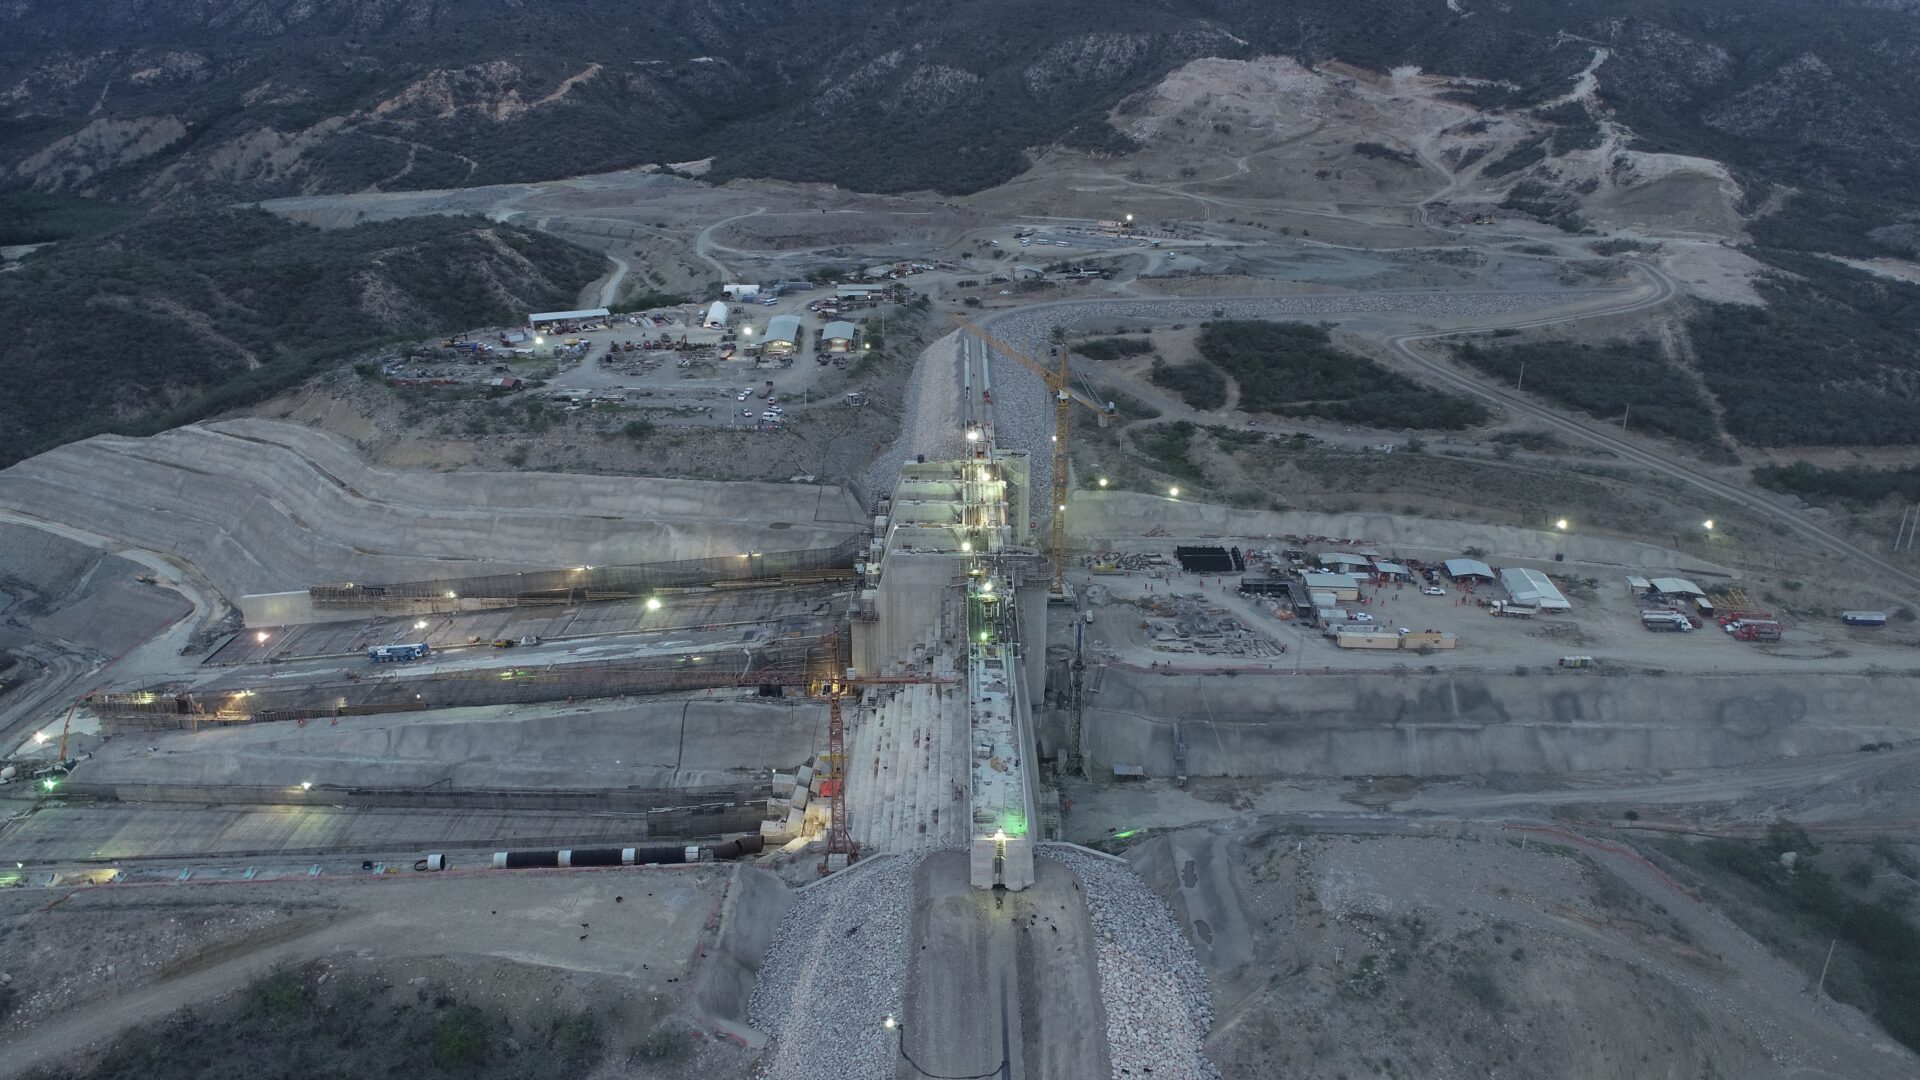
pixel 1662 290
pixel 1663 463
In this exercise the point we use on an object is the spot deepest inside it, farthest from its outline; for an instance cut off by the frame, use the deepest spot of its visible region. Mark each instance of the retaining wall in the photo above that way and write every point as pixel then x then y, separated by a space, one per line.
pixel 1451 724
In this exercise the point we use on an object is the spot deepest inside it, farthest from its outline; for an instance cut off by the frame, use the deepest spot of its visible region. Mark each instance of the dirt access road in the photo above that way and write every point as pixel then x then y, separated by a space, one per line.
pixel 1657 460
pixel 1663 290
pixel 641 926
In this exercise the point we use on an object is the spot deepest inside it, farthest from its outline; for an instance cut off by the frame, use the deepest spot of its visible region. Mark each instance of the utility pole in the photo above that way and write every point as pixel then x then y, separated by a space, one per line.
pixel 1522 380
pixel 1900 531
pixel 1624 415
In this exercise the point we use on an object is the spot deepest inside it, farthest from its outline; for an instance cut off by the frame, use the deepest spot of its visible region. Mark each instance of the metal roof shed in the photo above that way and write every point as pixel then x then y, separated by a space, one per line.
pixel 1342 559
pixel 1466 568
pixel 1676 586
pixel 1533 589
pixel 838 331
pixel 783 329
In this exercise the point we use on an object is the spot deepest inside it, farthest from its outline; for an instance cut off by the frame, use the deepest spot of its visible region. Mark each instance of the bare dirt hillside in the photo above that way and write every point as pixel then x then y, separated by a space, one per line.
pixel 1488 953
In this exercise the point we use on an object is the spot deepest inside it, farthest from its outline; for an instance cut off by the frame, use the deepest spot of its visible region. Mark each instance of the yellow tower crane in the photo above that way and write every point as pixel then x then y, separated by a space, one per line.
pixel 1064 395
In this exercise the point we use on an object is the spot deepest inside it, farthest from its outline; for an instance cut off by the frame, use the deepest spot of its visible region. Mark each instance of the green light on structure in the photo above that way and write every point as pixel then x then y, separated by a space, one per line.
pixel 983 635
pixel 1125 835
pixel 1015 825
pixel 49 783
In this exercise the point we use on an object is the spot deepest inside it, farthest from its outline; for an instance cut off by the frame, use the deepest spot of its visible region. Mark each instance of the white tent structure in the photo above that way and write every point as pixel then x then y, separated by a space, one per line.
pixel 718 314
pixel 1531 588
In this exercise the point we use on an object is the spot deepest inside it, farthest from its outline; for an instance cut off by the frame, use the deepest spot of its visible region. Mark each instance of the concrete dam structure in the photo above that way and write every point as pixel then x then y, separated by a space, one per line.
pixel 1376 724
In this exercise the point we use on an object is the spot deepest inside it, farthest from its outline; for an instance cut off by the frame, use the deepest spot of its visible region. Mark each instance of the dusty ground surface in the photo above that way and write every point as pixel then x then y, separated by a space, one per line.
pixel 86 962
pixel 1487 954
pixel 697 428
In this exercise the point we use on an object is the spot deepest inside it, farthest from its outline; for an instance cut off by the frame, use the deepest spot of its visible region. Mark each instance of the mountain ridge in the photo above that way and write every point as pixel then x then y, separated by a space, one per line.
pixel 260 98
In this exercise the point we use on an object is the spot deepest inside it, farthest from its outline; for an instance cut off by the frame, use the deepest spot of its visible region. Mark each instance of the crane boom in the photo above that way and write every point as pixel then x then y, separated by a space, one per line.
pixel 1058 381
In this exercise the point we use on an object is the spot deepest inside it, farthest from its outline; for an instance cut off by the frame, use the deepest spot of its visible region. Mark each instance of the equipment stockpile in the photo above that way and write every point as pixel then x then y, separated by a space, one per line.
pixel 1186 623
pixel 1159 1008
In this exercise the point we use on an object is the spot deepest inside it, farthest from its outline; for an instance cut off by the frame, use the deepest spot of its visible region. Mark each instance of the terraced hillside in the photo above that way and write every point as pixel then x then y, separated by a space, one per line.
pixel 263 506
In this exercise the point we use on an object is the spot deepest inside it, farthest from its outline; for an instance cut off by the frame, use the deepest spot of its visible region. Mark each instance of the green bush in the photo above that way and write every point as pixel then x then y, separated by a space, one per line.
pixel 289 1026
pixel 1199 384
pixel 1604 381
pixel 1126 405
pixel 1883 941
pixel 1113 348
pixel 1169 445
pixel 196 310
pixel 460 1038
pixel 1850 484
pixel 1292 369
pixel 1527 153
pixel 664 1044
pixel 1832 359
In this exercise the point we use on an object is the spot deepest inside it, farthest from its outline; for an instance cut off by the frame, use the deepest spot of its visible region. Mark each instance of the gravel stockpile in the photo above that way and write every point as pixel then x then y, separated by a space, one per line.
pixel 1159 1006
pixel 836 968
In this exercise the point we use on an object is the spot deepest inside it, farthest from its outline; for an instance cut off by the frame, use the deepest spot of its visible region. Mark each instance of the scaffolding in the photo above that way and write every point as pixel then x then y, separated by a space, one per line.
pixel 773 669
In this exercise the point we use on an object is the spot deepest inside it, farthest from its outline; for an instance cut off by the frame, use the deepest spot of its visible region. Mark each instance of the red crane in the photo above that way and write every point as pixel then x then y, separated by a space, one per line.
pixel 834 783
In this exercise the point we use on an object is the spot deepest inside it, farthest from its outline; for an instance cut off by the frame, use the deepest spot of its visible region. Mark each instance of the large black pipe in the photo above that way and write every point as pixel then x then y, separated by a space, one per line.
pixel 659 854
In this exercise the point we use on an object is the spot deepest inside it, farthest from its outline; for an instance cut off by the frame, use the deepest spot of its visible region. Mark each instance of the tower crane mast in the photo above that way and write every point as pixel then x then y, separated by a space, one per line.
pixel 1060 383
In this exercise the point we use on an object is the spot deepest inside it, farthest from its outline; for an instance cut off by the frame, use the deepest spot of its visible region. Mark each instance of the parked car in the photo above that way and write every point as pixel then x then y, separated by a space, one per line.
pixel 1359 616
pixel 1434 590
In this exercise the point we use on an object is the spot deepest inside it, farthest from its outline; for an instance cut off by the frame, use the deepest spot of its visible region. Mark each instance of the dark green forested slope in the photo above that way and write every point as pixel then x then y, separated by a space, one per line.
pixel 189 311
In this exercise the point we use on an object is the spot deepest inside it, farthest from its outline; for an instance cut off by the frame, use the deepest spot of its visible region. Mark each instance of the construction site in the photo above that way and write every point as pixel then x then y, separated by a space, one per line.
pixel 1008 749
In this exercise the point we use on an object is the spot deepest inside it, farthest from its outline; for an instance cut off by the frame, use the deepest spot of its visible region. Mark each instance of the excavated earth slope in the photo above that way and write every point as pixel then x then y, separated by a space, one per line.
pixel 263 506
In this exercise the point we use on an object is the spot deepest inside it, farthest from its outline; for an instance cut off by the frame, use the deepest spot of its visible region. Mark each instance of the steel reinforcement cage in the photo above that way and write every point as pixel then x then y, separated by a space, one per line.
pixel 803 666
pixel 580 583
